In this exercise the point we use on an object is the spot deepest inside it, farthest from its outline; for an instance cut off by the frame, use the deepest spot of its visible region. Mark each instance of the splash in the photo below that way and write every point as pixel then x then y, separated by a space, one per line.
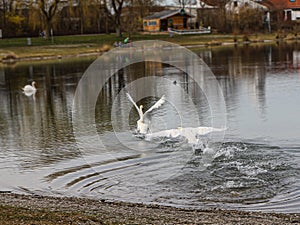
pixel 191 134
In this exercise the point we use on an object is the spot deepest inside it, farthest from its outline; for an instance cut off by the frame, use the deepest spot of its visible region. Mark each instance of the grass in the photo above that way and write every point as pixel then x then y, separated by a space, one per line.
pixel 109 39
pixel 61 46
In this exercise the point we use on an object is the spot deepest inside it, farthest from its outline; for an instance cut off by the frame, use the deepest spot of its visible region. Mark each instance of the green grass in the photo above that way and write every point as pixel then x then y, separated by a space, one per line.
pixel 73 45
pixel 109 39
pixel 60 40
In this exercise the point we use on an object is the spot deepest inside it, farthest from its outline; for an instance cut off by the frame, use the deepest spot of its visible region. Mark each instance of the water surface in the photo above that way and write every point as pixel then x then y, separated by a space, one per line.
pixel 256 167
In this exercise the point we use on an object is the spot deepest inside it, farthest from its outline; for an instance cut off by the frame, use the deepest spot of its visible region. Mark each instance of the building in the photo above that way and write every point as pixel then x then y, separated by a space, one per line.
pixel 236 5
pixel 161 21
pixel 288 10
pixel 194 8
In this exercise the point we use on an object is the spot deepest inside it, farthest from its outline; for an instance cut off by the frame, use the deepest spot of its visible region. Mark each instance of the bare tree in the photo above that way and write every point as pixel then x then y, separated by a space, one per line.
pixel 246 20
pixel 113 12
pixel 144 6
pixel 183 3
pixel 133 14
pixel 117 11
pixel 48 10
pixel 221 14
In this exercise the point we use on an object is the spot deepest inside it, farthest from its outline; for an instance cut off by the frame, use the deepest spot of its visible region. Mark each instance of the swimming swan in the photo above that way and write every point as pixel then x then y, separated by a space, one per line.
pixel 143 127
pixel 28 89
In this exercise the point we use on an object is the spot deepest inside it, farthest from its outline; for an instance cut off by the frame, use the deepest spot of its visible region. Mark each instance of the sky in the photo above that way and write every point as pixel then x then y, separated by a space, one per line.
pixel 170 2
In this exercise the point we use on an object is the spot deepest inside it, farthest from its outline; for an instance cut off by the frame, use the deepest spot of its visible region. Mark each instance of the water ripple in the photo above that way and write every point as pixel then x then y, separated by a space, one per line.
pixel 241 175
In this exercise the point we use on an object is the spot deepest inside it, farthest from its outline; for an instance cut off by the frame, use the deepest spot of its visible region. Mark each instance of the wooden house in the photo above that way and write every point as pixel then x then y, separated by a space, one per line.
pixel 161 21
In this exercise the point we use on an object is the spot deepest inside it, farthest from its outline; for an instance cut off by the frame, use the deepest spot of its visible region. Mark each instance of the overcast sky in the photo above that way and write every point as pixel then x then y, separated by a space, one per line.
pixel 170 2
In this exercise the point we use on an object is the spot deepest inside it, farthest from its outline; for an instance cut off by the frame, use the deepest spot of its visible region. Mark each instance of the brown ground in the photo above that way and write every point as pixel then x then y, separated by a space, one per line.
pixel 24 209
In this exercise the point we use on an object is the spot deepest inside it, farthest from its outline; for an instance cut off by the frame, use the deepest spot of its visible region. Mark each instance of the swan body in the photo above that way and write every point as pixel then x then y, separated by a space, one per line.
pixel 142 126
pixel 190 133
pixel 29 89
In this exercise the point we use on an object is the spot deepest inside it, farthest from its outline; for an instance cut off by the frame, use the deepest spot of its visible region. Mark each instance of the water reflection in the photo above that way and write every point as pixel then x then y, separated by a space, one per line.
pixel 254 78
pixel 38 128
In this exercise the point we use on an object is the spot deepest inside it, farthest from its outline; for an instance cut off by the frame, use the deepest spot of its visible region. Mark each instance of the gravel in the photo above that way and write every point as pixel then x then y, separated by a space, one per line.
pixel 30 209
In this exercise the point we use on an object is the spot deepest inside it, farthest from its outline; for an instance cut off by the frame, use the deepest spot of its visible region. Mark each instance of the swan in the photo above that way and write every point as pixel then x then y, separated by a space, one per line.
pixel 142 127
pixel 191 134
pixel 29 89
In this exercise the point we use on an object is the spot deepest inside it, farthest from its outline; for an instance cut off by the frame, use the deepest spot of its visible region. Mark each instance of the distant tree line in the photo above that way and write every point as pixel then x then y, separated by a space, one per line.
pixel 41 17
pixel 246 20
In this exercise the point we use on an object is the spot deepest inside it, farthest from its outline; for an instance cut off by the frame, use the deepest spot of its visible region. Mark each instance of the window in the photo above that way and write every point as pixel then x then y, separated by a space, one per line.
pixel 145 24
pixel 292 0
pixel 152 23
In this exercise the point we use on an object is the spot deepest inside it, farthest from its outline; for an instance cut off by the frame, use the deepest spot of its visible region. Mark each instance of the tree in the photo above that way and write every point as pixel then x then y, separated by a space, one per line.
pixel 183 3
pixel 220 17
pixel 133 14
pixel 114 11
pixel 6 9
pixel 144 6
pixel 47 9
pixel 81 11
pixel 250 19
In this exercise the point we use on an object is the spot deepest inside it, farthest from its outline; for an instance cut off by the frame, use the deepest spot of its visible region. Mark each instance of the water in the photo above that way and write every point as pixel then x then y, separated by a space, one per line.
pixel 255 167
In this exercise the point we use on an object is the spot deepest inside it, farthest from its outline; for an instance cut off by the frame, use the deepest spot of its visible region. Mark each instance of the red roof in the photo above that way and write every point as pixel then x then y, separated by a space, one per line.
pixel 282 4
pixel 271 4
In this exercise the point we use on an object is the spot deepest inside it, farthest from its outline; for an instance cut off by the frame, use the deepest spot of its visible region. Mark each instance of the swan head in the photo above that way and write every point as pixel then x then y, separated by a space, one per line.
pixel 33 83
pixel 141 107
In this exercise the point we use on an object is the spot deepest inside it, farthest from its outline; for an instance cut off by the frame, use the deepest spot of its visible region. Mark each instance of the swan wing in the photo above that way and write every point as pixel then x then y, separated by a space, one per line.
pixel 133 102
pixel 172 133
pixel 158 104
pixel 28 88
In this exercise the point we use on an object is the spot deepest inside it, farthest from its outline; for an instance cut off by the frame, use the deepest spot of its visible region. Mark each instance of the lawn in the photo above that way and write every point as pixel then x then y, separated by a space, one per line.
pixel 74 45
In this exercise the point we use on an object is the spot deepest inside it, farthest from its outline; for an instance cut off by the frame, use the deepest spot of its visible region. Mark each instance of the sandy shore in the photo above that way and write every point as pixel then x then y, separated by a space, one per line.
pixel 25 209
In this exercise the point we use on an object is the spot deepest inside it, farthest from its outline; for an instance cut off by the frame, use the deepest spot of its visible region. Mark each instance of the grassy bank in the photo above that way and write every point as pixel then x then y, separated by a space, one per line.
pixel 25 209
pixel 17 49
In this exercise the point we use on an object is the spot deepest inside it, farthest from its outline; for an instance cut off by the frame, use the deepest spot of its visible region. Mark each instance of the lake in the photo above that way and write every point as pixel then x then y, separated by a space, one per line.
pixel 254 165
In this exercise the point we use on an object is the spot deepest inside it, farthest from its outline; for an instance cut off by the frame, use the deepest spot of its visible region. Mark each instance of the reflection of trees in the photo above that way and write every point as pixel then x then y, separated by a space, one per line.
pixel 243 68
pixel 252 70
pixel 40 129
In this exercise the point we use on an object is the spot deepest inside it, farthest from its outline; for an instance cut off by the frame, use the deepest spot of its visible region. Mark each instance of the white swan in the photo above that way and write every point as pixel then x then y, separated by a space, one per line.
pixel 29 89
pixel 143 127
pixel 191 134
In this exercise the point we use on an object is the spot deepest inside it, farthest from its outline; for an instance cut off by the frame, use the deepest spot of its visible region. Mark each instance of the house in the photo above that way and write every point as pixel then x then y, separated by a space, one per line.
pixel 288 10
pixel 236 5
pixel 161 21
pixel 195 8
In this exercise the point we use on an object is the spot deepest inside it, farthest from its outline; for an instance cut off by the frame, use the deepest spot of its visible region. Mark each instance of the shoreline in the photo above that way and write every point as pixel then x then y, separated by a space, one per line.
pixel 11 59
pixel 12 55
pixel 36 209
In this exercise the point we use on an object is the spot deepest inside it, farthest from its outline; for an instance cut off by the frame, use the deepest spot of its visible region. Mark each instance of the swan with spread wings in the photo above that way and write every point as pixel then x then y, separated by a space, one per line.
pixel 142 126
